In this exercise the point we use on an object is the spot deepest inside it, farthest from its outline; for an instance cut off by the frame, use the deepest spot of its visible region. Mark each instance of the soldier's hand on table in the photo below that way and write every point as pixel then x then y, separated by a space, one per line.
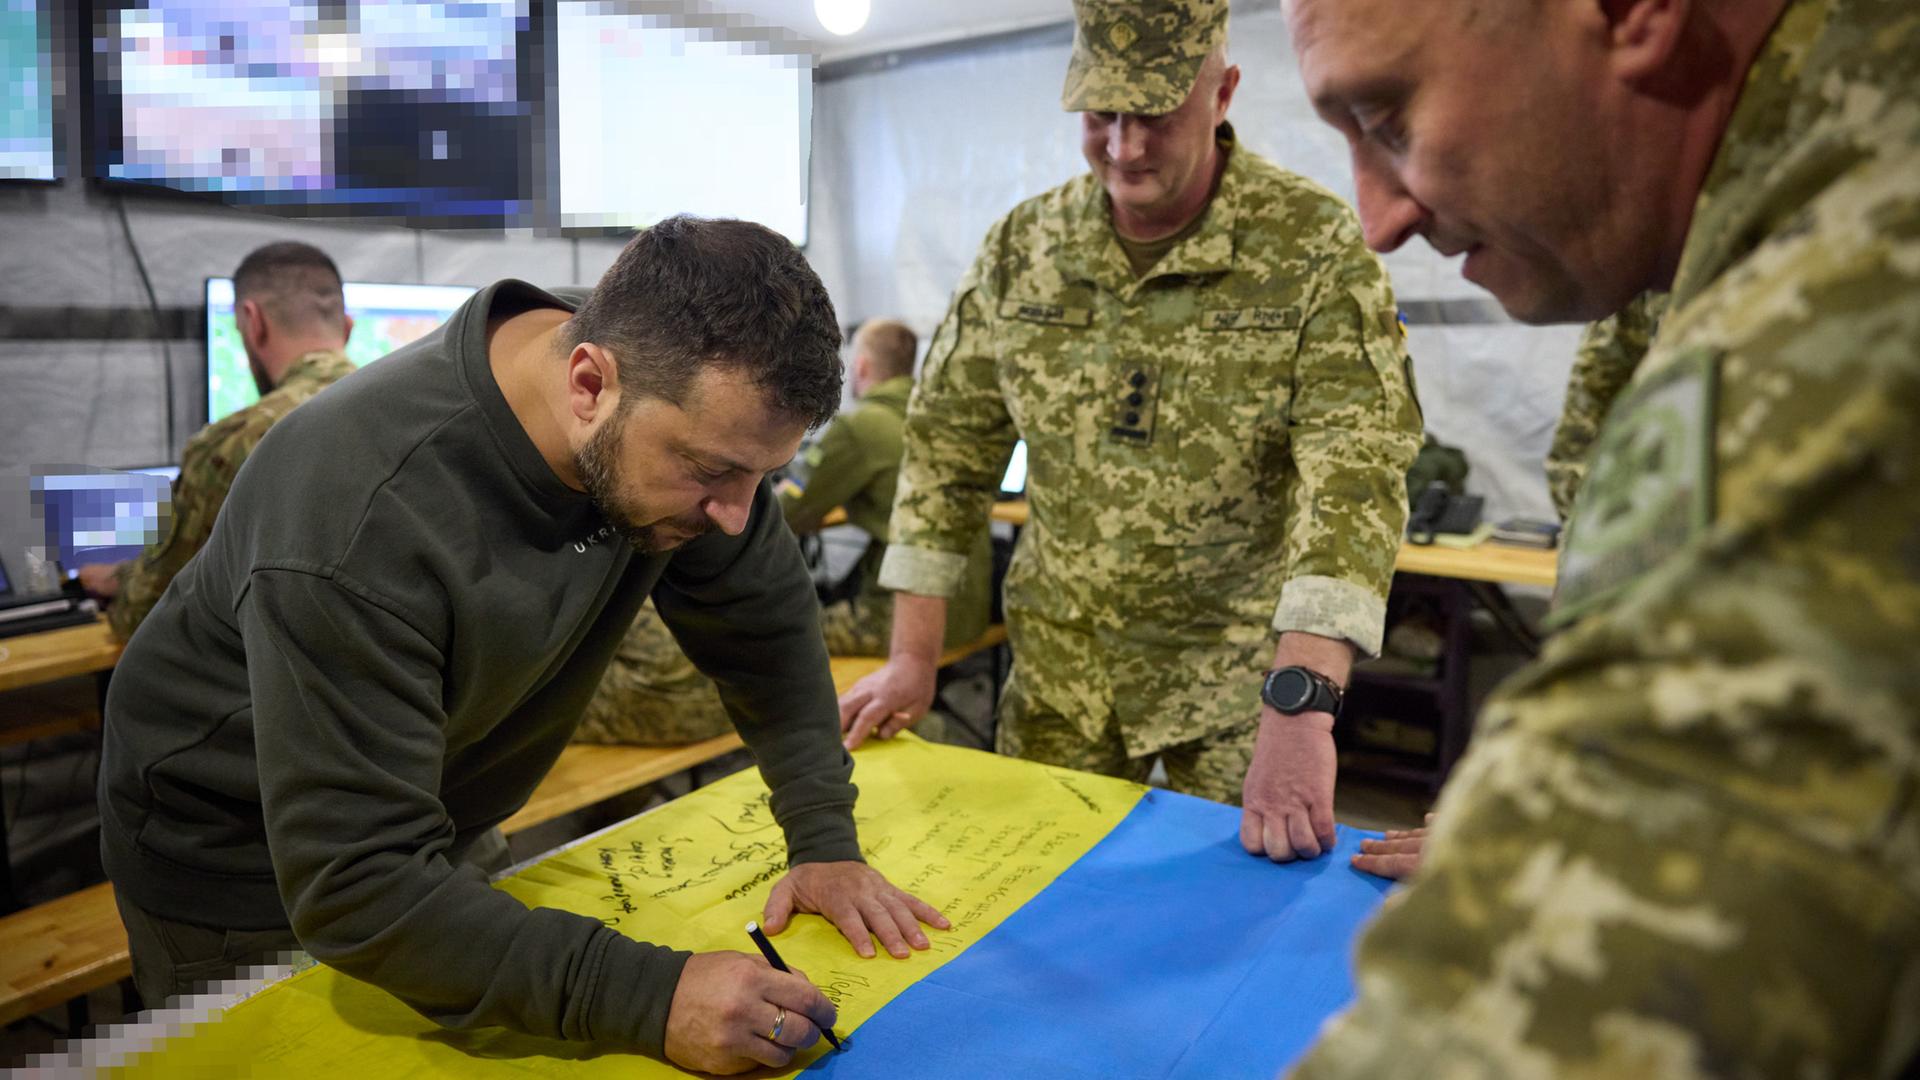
pixel 1396 856
pixel 732 1012
pixel 857 899
pixel 887 702
pixel 1287 800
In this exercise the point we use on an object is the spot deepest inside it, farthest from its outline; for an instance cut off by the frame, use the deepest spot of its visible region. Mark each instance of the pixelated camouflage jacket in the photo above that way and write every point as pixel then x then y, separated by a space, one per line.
pixel 1216 450
pixel 1610 351
pixel 207 467
pixel 1686 842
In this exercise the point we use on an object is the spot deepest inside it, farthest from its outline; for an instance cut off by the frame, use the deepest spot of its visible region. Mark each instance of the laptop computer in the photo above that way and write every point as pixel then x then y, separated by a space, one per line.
pixel 23 610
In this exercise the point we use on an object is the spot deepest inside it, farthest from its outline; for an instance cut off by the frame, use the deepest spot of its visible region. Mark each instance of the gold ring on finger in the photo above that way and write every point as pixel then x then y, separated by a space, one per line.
pixel 779 1024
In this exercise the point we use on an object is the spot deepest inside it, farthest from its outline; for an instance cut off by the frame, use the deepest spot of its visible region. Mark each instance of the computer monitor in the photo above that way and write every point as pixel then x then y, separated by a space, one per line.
pixel 1013 484
pixel 385 317
pixel 425 110
pixel 97 515
pixel 29 137
pixel 729 120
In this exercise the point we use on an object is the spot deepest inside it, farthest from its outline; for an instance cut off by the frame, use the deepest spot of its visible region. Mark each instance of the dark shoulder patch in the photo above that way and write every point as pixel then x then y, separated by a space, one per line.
pixel 1649 486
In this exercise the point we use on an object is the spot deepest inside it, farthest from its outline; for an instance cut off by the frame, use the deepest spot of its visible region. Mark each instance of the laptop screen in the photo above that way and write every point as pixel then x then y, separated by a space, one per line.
pixel 100 516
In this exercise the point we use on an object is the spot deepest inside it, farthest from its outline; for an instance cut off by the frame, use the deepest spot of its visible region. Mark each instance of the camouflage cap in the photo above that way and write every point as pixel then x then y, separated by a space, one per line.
pixel 1139 56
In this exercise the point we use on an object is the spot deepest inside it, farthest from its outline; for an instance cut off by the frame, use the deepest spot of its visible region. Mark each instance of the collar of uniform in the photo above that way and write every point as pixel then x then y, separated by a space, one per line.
pixel 1737 200
pixel 321 365
pixel 1094 252
pixel 898 388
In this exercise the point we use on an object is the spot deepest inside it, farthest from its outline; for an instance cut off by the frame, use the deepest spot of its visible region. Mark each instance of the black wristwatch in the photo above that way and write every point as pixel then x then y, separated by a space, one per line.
pixel 1296 690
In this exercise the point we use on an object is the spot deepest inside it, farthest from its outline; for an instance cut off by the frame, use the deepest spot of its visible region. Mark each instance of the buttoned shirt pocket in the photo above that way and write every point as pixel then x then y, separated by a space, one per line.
pixel 1222 423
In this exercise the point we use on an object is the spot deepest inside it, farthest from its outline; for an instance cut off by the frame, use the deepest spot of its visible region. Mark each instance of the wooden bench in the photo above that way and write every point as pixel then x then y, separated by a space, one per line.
pixel 58 950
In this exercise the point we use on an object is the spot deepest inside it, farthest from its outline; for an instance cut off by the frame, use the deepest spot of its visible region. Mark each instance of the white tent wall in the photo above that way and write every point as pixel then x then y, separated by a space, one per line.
pixel 912 162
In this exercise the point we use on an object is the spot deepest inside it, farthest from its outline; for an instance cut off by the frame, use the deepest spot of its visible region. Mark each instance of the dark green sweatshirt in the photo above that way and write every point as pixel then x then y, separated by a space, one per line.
pixel 385 644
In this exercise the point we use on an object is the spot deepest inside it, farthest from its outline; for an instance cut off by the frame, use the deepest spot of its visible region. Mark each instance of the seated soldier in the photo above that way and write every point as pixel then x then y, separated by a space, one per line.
pixel 651 695
pixel 855 464
pixel 293 323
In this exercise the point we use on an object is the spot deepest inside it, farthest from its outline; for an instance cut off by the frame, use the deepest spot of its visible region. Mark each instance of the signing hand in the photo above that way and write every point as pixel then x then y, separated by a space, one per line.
pixel 1395 857
pixel 856 899
pixel 1288 795
pixel 887 702
pixel 732 1012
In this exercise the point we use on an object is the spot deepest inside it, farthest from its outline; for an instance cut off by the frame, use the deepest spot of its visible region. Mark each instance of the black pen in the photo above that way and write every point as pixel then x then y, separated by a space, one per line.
pixel 766 950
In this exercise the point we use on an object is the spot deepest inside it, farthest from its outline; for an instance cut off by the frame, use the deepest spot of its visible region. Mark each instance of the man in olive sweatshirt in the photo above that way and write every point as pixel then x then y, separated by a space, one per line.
pixel 409 598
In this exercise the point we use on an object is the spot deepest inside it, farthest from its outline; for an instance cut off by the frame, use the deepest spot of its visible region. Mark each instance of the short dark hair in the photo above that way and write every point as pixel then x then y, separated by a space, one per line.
pixel 891 345
pixel 297 284
pixel 690 293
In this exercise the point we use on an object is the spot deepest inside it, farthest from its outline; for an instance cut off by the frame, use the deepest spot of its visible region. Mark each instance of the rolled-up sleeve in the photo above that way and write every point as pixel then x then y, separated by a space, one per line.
pixel 1355 427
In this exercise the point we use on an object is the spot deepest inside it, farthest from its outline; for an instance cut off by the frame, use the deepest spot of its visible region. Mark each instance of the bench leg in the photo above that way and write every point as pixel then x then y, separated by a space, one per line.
pixel 78 1014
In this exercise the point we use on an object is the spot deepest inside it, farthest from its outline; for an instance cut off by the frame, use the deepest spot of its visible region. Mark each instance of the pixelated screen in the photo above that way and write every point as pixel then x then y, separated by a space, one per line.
pixel 407 108
pixel 27 150
pixel 385 317
pixel 99 516
pixel 654 120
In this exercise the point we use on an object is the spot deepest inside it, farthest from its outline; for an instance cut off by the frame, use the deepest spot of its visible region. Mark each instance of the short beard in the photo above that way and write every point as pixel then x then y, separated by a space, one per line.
pixel 595 465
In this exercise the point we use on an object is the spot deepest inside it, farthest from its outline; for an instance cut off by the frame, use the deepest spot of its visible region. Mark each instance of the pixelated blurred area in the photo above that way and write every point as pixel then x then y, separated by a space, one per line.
pixel 31 94
pixel 87 515
pixel 363 108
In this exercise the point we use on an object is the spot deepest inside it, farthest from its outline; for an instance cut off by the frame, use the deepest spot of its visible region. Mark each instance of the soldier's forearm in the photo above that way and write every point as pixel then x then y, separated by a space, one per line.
pixel 919 627
pixel 1328 656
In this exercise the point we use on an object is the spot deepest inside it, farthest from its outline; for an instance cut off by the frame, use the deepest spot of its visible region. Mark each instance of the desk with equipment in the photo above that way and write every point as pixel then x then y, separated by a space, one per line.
pixel 1096 922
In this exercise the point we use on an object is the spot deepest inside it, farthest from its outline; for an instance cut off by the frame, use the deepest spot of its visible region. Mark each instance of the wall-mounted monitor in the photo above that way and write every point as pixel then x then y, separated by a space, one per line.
pixel 415 109
pixel 653 119
pixel 29 100
pixel 385 317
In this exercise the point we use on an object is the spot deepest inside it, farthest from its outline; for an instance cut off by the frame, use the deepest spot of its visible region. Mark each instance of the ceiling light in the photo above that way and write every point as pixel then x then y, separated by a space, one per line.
pixel 842 17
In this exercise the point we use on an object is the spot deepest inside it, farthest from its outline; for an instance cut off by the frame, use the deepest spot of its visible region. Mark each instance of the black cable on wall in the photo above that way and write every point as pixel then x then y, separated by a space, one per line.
pixel 153 303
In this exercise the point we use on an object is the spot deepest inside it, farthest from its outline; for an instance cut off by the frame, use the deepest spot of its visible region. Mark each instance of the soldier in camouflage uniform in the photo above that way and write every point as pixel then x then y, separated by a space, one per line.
pixel 1610 351
pixel 1205 363
pixel 1686 842
pixel 292 318
pixel 855 465
pixel 651 694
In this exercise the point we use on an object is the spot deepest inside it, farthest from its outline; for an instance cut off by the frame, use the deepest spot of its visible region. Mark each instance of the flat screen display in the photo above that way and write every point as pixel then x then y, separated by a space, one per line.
pixel 385 317
pixel 654 120
pixel 28 135
pixel 364 108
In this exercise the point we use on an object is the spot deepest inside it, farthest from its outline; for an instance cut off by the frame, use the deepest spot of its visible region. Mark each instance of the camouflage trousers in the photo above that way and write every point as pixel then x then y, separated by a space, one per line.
pixel 859 626
pixel 1211 768
pixel 652 695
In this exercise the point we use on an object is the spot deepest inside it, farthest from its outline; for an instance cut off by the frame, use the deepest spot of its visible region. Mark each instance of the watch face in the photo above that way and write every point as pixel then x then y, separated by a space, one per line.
pixel 1289 690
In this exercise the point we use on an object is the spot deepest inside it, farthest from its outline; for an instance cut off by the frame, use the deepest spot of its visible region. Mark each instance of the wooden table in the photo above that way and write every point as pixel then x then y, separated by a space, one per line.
pixel 1498 563
pixel 1013 513
pixel 31 659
